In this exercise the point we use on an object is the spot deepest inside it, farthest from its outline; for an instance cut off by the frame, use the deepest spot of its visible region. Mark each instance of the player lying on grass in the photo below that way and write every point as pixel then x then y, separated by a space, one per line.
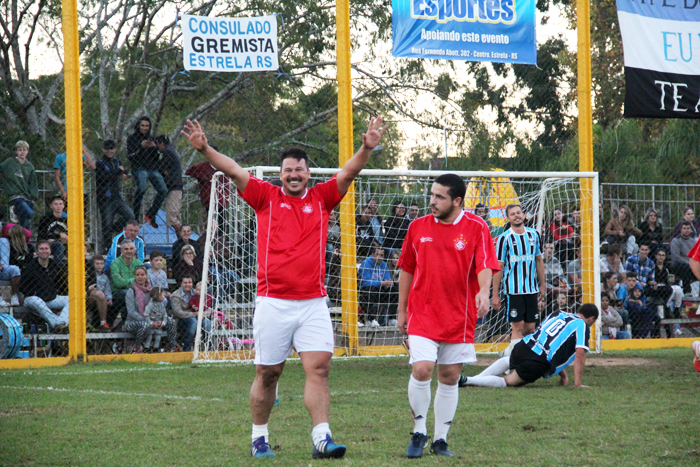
pixel 561 339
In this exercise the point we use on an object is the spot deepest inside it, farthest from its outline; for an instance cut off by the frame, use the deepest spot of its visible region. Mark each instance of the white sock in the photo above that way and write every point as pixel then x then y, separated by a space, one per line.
pixel 487 381
pixel 319 432
pixel 498 367
pixel 507 352
pixel 261 430
pixel 419 400
pixel 446 399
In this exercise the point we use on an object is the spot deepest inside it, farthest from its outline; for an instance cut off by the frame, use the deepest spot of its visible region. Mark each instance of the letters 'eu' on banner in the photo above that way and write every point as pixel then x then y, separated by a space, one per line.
pixel 229 44
pixel 475 30
pixel 661 42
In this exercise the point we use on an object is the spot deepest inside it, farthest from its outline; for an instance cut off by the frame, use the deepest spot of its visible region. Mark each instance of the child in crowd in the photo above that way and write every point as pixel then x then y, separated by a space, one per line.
pixel 611 320
pixel 157 275
pixel 100 292
pixel 222 320
pixel 156 312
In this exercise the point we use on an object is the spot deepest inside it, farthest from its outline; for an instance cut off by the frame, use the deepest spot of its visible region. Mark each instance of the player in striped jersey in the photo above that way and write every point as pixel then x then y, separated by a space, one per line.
pixel 561 339
pixel 522 273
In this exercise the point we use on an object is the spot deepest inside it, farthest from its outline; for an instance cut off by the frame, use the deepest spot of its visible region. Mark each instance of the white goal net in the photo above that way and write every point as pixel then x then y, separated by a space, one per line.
pixel 563 207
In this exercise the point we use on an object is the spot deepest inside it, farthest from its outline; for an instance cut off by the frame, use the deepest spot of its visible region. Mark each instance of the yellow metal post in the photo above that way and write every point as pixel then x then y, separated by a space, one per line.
pixel 348 272
pixel 74 167
pixel 585 142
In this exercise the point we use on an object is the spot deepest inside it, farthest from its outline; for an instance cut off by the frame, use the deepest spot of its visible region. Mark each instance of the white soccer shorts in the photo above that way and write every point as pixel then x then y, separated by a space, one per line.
pixel 279 323
pixel 424 349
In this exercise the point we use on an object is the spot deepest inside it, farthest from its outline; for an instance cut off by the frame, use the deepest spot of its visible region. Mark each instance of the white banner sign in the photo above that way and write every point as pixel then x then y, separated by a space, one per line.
pixel 230 44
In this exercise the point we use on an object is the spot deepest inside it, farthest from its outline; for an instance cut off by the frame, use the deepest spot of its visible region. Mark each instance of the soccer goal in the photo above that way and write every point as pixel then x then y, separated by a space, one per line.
pixel 563 207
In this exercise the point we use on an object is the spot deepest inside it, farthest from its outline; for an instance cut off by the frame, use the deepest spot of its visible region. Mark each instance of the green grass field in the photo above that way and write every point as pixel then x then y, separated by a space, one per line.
pixel 640 409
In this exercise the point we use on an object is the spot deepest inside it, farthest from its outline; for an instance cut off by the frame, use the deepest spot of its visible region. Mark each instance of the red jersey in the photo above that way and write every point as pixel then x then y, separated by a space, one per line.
pixel 291 238
pixel 204 173
pixel 695 252
pixel 445 261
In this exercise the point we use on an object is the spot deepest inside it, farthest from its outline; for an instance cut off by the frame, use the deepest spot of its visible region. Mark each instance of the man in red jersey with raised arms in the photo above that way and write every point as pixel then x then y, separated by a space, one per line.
pixel 447 263
pixel 290 308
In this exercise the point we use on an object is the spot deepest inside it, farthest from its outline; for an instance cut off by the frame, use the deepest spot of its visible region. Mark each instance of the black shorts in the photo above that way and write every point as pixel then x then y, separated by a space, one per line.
pixel 529 366
pixel 522 308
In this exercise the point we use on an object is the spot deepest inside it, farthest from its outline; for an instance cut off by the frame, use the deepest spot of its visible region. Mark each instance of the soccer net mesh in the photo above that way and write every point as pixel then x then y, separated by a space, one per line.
pixel 383 204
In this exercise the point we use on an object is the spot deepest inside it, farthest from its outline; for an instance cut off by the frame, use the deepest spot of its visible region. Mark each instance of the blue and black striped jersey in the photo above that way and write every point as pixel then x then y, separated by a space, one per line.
pixel 518 252
pixel 558 338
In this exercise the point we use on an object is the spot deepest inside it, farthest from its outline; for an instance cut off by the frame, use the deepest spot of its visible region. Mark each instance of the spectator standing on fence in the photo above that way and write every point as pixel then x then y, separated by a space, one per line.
pixel 652 231
pixel 291 306
pixel 143 155
pixel 447 261
pixel 20 184
pixel 41 293
pixel 680 248
pixel 131 232
pixel 53 227
pixel 60 173
pixel 138 320
pixel 185 234
pixel 522 272
pixel 375 285
pixel 396 226
pixel 621 230
pixel 109 173
pixel 171 169
pixel 99 292
pixel 122 278
pixel 688 216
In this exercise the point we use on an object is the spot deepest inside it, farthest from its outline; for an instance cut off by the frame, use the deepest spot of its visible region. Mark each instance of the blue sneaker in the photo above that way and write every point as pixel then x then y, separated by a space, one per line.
pixel 261 449
pixel 416 446
pixel 439 448
pixel 327 449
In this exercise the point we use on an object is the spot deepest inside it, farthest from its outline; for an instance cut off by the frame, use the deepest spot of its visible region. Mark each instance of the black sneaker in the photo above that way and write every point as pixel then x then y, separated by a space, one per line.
pixel 416 446
pixel 462 381
pixel 439 448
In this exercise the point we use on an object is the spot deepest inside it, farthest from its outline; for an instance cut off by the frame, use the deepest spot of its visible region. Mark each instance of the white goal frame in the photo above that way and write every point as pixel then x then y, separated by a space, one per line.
pixel 590 294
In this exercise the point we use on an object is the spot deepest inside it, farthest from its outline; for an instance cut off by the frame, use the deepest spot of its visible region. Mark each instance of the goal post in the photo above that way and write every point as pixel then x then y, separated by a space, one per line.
pixel 370 214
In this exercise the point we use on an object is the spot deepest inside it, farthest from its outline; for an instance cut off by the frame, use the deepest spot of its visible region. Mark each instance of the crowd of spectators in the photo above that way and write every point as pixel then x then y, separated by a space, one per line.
pixel 645 271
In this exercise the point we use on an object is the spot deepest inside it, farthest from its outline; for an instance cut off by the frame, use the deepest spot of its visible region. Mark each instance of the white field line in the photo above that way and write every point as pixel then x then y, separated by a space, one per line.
pixel 110 393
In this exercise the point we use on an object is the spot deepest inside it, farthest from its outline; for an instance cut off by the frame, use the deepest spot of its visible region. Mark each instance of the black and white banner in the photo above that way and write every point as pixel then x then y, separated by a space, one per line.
pixel 661 43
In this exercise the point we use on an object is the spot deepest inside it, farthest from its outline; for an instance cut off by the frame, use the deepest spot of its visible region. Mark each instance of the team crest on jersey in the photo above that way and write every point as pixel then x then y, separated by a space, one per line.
pixel 307 209
pixel 513 313
pixel 285 205
pixel 460 242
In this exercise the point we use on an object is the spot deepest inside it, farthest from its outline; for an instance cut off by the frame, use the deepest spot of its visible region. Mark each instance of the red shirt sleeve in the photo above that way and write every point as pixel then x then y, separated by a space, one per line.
pixel 485 254
pixel 329 193
pixel 407 260
pixel 257 193
pixel 695 252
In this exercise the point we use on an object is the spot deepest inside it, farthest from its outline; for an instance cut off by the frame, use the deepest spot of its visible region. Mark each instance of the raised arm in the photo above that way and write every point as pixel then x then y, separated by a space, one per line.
pixel 352 168
pixel 195 135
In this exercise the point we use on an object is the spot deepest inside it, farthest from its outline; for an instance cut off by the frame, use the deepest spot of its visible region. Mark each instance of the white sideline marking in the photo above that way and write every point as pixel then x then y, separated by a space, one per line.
pixel 111 393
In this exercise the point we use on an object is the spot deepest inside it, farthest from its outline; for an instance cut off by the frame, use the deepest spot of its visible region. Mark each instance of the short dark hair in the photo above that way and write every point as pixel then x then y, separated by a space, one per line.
pixel 55 197
pixel 688 223
pixel 588 310
pixel 511 206
pixel 98 258
pixel 186 276
pixel 631 275
pixel 456 187
pixel 156 254
pixel 109 144
pixel 294 153
pixel 132 222
pixel 41 242
pixel 614 249
pixel 162 139
pixel 137 125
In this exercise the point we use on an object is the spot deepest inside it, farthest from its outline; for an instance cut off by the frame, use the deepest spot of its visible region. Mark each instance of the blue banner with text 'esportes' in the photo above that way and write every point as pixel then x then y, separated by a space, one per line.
pixel 474 30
